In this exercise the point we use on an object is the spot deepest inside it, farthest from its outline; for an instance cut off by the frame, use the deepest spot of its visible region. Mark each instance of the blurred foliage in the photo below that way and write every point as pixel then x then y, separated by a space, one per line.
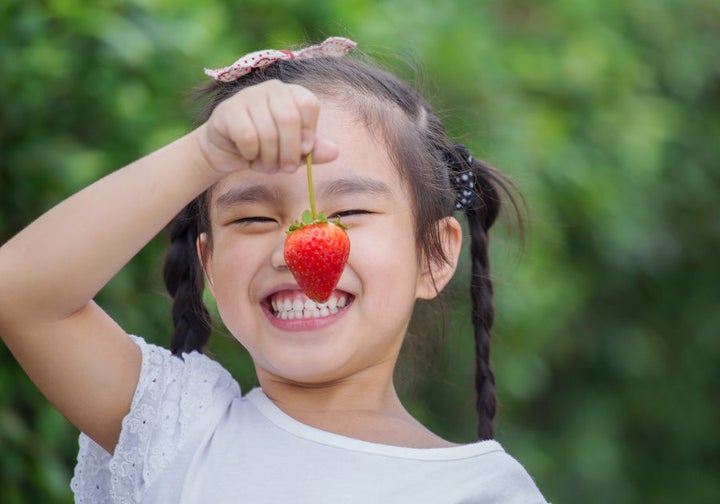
pixel 606 114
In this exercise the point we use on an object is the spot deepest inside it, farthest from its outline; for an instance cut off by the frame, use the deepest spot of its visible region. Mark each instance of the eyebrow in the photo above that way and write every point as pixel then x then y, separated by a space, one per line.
pixel 344 186
pixel 257 193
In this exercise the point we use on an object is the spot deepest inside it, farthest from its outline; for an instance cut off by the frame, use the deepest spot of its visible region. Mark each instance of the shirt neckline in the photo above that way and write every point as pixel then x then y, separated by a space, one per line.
pixel 287 423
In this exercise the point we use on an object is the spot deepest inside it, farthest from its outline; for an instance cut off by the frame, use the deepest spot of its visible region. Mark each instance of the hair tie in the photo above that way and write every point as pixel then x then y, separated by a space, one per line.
pixel 332 47
pixel 462 178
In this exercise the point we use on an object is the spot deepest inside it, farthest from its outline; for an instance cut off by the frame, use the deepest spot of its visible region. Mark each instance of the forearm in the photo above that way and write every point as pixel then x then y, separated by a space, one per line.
pixel 58 263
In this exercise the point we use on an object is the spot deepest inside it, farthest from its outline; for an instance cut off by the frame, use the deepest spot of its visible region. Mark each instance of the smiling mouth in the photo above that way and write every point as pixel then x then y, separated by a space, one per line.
pixel 295 305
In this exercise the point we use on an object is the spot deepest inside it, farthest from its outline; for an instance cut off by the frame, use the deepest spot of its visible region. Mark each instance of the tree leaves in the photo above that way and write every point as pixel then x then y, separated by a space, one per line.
pixel 605 113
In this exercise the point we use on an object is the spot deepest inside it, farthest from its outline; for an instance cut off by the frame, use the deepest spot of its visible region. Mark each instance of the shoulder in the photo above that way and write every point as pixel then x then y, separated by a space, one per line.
pixel 177 389
pixel 182 386
pixel 501 478
pixel 196 373
pixel 175 398
pixel 484 472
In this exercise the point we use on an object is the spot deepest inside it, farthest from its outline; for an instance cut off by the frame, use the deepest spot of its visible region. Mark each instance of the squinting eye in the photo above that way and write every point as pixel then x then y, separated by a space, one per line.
pixel 251 220
pixel 348 213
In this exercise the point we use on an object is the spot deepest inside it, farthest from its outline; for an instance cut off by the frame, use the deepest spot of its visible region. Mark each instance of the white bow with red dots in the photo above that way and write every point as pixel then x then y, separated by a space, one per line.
pixel 333 46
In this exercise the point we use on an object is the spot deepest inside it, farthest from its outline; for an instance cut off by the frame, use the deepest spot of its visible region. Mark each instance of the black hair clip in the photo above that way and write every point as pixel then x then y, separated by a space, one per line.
pixel 459 160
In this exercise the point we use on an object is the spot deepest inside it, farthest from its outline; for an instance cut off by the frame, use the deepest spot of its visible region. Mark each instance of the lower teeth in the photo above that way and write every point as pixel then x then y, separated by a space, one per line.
pixel 306 314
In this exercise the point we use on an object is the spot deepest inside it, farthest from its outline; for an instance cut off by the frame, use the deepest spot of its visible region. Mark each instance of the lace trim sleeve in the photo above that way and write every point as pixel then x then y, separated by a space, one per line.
pixel 171 395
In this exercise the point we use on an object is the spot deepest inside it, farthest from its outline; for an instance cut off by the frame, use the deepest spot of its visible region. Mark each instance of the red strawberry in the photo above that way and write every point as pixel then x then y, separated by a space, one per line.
pixel 316 252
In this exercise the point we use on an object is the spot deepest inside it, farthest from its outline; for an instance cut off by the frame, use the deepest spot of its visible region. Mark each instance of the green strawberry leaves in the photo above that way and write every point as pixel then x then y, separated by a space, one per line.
pixel 307 219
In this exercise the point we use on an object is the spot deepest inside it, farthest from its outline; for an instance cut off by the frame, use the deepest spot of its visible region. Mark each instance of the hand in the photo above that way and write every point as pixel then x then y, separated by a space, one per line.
pixel 266 128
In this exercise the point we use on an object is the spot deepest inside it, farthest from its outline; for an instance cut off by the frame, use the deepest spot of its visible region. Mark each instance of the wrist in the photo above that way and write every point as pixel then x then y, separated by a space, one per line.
pixel 197 155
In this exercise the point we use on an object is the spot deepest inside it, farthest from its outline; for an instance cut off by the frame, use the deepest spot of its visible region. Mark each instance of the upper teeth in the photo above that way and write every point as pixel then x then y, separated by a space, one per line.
pixel 289 308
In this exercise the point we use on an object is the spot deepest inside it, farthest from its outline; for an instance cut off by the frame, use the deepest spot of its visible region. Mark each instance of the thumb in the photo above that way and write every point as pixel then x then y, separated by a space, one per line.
pixel 324 151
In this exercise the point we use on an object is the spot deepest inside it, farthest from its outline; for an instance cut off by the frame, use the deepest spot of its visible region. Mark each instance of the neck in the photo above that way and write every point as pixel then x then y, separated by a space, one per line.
pixel 357 408
pixel 367 391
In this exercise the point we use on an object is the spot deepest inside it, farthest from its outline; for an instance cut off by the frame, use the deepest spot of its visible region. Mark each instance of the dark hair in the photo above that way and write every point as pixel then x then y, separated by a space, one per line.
pixel 185 281
pixel 420 149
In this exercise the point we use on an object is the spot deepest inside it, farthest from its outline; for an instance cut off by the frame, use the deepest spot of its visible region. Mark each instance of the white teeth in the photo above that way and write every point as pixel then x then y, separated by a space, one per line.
pixel 311 314
pixel 298 309
pixel 289 309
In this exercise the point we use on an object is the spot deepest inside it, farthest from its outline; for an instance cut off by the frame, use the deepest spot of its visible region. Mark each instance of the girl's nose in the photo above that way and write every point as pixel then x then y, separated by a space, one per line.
pixel 277 259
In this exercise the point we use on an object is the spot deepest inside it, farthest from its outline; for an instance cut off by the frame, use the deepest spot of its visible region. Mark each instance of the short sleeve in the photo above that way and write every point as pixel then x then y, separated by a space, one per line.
pixel 173 397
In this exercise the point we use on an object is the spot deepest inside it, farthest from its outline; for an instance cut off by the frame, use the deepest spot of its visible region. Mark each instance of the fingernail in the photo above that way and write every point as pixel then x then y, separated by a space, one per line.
pixel 288 168
pixel 305 146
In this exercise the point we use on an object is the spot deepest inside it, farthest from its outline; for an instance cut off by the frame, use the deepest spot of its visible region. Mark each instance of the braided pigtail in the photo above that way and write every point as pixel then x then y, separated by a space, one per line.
pixel 184 280
pixel 477 186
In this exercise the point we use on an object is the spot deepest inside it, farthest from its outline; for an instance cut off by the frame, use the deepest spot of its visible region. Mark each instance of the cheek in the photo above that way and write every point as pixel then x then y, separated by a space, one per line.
pixel 388 267
pixel 232 270
pixel 232 278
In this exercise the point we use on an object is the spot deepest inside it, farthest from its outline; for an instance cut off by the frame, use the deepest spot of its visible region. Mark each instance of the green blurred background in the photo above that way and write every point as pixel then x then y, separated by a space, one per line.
pixel 605 113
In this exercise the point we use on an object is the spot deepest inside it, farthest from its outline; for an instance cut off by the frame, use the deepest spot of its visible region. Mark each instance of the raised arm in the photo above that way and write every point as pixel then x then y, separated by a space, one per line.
pixel 73 351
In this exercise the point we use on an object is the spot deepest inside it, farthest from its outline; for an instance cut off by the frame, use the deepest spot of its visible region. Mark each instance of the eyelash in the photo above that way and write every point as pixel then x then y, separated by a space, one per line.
pixel 250 220
pixel 348 213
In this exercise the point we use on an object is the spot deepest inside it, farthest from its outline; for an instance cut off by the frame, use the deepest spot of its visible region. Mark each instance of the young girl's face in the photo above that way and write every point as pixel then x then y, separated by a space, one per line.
pixel 362 329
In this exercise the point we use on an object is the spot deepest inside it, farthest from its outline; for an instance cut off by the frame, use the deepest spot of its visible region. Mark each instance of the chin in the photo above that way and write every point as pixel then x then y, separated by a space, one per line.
pixel 313 372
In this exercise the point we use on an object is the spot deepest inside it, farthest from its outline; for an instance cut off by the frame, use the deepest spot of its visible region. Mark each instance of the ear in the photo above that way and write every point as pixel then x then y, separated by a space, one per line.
pixel 204 252
pixel 435 274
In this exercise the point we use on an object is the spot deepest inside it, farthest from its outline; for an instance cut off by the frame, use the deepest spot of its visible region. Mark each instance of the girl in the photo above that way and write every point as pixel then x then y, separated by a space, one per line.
pixel 326 424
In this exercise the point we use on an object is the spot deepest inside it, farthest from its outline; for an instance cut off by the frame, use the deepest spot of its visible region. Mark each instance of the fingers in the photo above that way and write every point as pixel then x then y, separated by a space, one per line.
pixel 267 137
pixel 245 136
pixel 284 119
pixel 296 115
pixel 309 107
pixel 325 151
pixel 268 127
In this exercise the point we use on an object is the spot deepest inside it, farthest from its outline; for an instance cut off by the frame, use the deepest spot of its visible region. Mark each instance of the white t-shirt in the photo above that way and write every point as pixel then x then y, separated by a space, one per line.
pixel 191 437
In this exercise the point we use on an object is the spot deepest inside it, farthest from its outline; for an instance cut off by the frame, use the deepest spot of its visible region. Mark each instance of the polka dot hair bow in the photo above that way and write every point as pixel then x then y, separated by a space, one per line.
pixel 333 47
pixel 461 176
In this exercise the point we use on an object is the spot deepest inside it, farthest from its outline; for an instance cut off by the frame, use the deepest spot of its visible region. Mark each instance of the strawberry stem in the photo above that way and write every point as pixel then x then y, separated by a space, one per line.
pixel 308 163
